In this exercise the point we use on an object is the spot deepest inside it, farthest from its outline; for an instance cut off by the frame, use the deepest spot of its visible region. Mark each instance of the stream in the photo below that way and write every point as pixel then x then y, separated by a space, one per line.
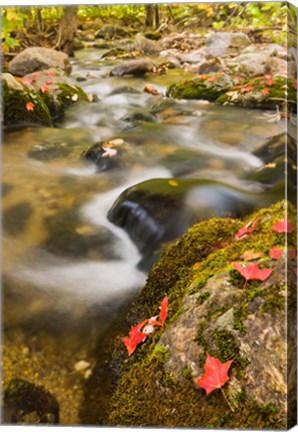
pixel 69 271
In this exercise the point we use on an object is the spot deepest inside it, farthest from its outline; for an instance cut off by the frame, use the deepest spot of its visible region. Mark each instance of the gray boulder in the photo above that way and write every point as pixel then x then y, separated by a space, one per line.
pixel 38 58
pixel 253 64
pixel 145 45
pixel 222 43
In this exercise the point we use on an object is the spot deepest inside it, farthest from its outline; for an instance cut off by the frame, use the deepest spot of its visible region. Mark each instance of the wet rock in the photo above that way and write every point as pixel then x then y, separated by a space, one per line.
pixel 133 67
pixel 114 52
pixel 224 43
pixel 104 159
pixel 147 46
pixel 86 35
pixel 139 117
pixel 27 403
pixel 109 31
pixel 77 44
pixel 16 218
pixel 209 66
pixel 207 88
pixel 160 210
pixel 47 151
pixel 38 58
pixel 64 242
pixel 6 188
pixel 124 89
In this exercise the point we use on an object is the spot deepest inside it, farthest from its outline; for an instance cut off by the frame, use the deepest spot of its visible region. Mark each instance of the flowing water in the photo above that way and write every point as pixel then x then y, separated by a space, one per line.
pixel 67 270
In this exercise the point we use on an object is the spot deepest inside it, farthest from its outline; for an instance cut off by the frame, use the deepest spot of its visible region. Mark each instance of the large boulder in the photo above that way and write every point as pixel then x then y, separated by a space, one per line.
pixel 133 67
pixel 37 58
pixel 147 46
pixel 224 43
pixel 210 312
pixel 251 64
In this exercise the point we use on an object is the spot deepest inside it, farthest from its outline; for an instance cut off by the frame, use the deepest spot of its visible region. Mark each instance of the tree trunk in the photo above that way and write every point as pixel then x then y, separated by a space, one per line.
pixel 149 15
pixel 67 29
pixel 156 16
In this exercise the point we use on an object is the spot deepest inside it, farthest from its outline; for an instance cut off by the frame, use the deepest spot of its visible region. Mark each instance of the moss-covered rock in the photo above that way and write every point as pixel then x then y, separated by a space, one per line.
pixel 205 87
pixel 210 311
pixel 17 112
pixel 261 93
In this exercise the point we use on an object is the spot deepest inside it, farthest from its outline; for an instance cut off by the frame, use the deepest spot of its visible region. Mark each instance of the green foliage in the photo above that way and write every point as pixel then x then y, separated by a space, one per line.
pixel 127 13
pixel 12 20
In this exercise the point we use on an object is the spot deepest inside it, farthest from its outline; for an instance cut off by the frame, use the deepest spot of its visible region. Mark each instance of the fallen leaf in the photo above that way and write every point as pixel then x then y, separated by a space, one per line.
pixel 49 82
pixel 109 152
pixel 164 310
pixel 283 226
pixel 252 272
pixel 135 337
pixel 36 75
pixel 211 79
pixel 292 253
pixel 44 89
pixel 151 90
pixel 75 97
pixel 173 182
pixel 149 327
pixel 216 374
pixel 196 265
pixel 248 229
pixel 268 76
pixel 251 255
pixel 246 89
pixel 51 73
pixel 265 91
pixel 275 252
pixel 30 106
pixel 28 80
pixel 269 82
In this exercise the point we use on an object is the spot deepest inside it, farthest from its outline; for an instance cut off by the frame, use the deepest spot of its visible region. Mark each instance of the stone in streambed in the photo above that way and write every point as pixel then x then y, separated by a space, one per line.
pixel 27 403
pixel 38 58
pixel 133 67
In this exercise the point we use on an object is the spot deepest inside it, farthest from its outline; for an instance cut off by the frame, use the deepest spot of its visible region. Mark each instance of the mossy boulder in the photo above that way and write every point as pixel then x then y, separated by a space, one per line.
pixel 206 87
pixel 133 67
pixel 262 93
pixel 23 107
pixel 211 312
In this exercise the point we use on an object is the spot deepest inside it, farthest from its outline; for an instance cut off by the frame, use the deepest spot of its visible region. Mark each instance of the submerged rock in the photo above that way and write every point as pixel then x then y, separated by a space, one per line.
pixel 38 58
pixel 105 158
pixel 27 403
pixel 47 151
pixel 211 312
pixel 133 67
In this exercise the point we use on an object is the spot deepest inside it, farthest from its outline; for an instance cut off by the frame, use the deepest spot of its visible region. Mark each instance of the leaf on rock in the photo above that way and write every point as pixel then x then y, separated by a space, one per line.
pixel 275 252
pixel 216 374
pixel 251 255
pixel 109 152
pixel 248 229
pixel 30 106
pixel 265 91
pixel 135 337
pixel 283 226
pixel 164 310
pixel 44 89
pixel 151 90
pixel 252 272
pixel 246 89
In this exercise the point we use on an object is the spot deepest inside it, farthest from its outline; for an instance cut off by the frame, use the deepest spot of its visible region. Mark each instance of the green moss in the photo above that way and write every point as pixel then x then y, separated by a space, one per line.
pixel 226 346
pixel 186 373
pixel 201 88
pixel 202 297
pixel 15 112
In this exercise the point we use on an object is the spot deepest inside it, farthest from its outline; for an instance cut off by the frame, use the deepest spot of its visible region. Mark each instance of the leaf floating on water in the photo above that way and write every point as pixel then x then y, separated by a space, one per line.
pixel 216 374
pixel 283 226
pixel 275 252
pixel 109 152
pixel 252 272
pixel 30 106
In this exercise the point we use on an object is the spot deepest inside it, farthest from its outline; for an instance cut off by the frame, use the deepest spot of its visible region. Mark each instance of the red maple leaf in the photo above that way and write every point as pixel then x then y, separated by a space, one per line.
pixel 163 313
pixel 248 229
pixel 246 89
pixel 292 253
pixel 265 91
pixel 269 82
pixel 211 79
pixel 216 374
pixel 36 75
pixel 268 76
pixel 27 80
pixel 252 272
pixel 275 252
pixel 51 73
pixel 283 226
pixel 135 337
pixel 30 106
pixel 49 82
pixel 44 88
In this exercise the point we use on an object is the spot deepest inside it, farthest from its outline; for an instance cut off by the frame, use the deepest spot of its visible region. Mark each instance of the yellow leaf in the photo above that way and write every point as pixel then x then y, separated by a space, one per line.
pixel 173 183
